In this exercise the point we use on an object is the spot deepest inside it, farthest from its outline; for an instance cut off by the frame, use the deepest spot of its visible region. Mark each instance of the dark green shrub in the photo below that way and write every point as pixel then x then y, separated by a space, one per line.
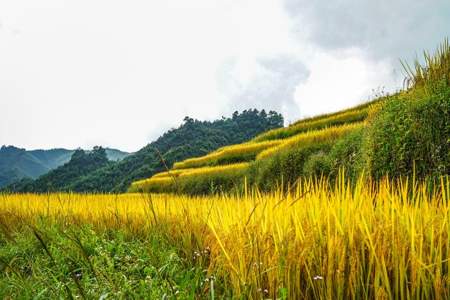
pixel 284 167
pixel 347 155
pixel 317 165
pixel 410 133
pixel 211 184
pixel 235 158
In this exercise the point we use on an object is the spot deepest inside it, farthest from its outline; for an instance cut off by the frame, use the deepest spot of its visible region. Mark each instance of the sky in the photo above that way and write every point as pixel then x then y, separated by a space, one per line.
pixel 120 73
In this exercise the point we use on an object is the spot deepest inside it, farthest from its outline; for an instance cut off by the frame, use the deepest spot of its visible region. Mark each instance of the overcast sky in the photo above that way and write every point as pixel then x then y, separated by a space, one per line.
pixel 79 73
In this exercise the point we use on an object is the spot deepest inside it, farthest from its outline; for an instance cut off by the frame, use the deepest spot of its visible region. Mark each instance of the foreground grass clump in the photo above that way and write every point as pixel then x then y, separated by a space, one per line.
pixel 384 240
pixel 53 260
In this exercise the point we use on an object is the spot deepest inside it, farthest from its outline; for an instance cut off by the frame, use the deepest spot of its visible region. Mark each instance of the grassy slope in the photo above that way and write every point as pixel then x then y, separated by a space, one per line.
pixel 311 130
pixel 405 134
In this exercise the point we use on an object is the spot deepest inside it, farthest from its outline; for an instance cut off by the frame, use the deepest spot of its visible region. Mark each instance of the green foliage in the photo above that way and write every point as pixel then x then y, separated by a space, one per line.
pixel 317 165
pixel 411 133
pixel 347 155
pixel 210 184
pixel 284 167
pixel 51 261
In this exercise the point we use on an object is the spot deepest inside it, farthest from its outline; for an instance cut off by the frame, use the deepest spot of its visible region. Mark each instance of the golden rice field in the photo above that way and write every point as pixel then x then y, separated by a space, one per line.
pixel 311 137
pixel 241 150
pixel 383 241
pixel 356 114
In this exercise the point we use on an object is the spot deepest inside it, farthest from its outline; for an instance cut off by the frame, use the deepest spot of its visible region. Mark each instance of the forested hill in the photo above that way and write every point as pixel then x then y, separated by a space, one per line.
pixel 17 163
pixel 192 138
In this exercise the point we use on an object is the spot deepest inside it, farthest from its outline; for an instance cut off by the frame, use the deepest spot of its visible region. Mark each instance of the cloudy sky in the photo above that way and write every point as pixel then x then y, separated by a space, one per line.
pixel 119 73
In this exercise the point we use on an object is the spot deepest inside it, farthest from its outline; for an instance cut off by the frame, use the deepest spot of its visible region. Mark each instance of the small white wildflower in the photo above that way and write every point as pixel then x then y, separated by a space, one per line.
pixel 317 277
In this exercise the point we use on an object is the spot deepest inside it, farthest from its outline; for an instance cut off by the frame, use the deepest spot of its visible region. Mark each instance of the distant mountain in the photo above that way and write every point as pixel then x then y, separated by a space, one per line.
pixel 192 138
pixel 17 163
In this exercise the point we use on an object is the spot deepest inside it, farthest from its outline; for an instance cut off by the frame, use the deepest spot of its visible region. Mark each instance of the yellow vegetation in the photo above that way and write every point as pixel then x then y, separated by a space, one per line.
pixel 170 173
pixel 310 137
pixel 389 240
pixel 139 185
pixel 241 150
pixel 345 117
pixel 216 169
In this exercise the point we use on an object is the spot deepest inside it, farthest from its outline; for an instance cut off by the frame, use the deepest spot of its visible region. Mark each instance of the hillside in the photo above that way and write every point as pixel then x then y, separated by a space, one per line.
pixel 192 138
pixel 399 135
pixel 17 163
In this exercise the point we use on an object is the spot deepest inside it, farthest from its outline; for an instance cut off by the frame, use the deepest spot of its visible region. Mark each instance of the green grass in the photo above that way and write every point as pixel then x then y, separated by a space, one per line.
pixel 51 261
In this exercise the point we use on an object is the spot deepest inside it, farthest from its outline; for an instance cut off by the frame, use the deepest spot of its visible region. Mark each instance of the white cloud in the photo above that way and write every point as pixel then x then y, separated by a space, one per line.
pixel 87 72
pixel 81 73
pixel 340 80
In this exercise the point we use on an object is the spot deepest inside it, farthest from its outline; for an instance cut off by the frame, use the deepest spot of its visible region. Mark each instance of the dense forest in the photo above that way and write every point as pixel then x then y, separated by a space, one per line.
pixel 92 172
